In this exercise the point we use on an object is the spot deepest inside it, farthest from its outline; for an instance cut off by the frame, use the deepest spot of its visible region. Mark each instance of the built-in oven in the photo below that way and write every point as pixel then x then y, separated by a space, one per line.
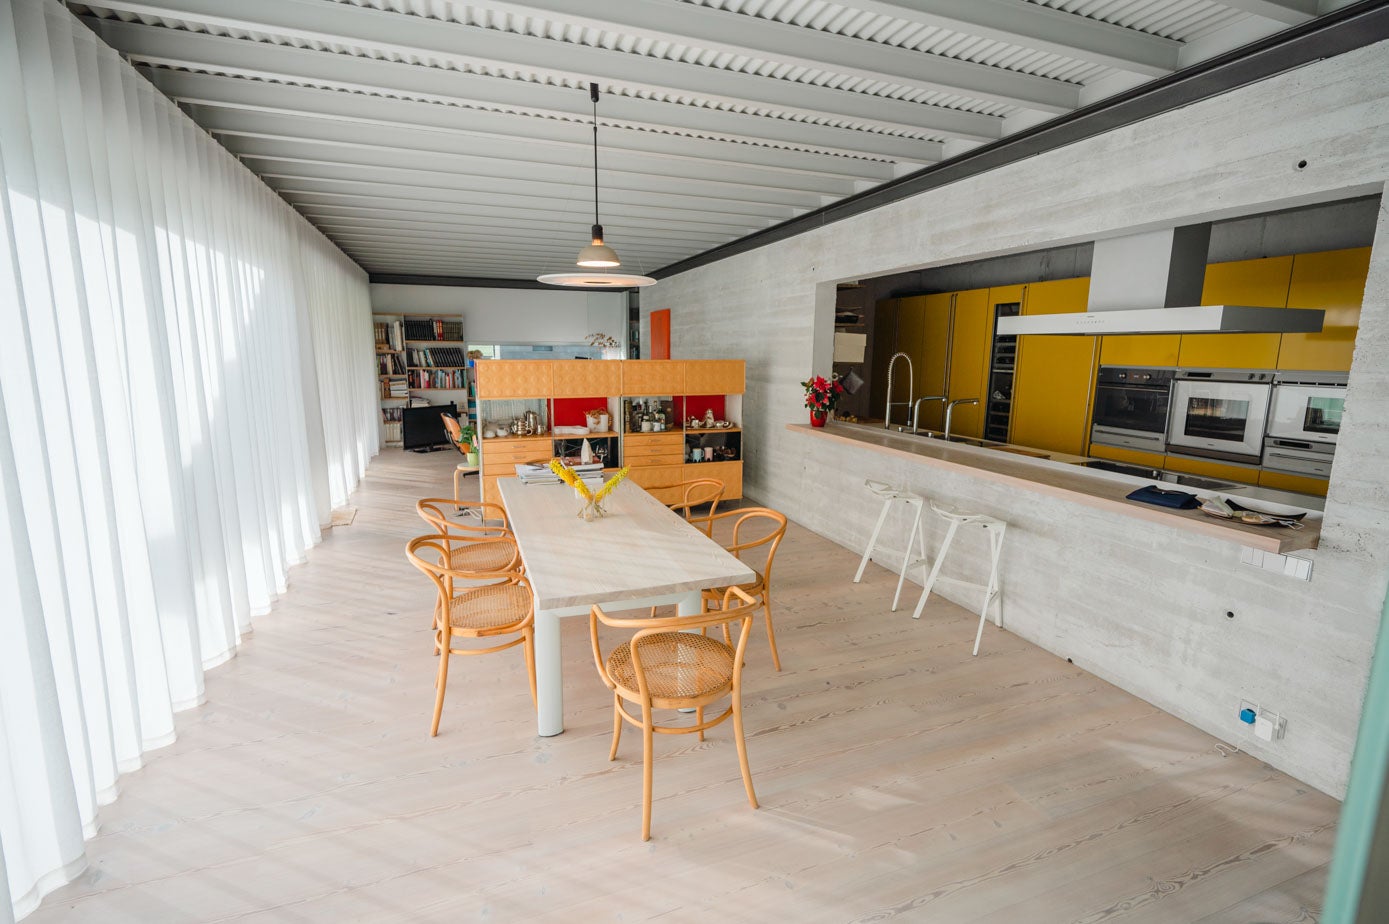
pixel 1131 407
pixel 1304 422
pixel 1219 413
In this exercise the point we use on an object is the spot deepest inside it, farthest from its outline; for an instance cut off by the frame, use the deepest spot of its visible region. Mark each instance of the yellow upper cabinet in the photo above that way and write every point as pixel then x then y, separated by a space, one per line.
pixel 514 378
pixel 969 353
pixel 884 345
pixel 586 378
pixel 1055 375
pixel 714 376
pixel 1261 283
pixel 1335 282
pixel 1140 350
pixel 653 377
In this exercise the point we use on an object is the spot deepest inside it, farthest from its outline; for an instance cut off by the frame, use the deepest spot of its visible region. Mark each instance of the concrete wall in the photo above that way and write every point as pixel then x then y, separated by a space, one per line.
pixel 512 315
pixel 1136 604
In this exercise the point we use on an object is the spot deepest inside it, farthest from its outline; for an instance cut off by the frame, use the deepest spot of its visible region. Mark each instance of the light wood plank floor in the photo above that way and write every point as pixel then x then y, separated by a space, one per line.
pixel 900 779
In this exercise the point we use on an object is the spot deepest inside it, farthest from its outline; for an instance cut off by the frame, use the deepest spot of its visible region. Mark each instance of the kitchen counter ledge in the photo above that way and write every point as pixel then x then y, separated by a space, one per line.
pixel 1094 488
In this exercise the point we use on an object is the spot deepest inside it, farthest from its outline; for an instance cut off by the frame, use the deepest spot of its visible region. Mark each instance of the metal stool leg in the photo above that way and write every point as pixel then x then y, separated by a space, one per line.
pixel 935 569
pixel 992 588
pixel 873 540
pixel 918 534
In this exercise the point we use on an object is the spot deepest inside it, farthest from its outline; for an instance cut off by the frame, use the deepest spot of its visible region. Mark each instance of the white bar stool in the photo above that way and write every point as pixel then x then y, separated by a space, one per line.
pixel 995 529
pixel 890 496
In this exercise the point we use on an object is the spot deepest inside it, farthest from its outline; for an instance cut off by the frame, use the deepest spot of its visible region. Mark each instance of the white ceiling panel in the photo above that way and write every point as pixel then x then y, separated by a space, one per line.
pixel 454 138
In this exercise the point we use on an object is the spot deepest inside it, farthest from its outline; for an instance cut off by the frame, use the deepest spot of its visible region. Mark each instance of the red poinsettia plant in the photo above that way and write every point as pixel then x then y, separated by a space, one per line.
pixel 822 394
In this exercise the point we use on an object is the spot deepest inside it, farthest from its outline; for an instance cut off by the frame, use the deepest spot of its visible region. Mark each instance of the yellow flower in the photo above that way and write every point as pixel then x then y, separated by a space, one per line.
pixel 566 474
pixel 612 483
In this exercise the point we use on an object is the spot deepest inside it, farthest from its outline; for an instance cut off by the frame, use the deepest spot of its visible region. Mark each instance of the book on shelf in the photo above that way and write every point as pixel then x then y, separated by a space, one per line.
pixel 438 378
pixel 390 335
pixel 391 431
pixel 398 388
pixel 437 356
pixel 390 364
pixel 433 329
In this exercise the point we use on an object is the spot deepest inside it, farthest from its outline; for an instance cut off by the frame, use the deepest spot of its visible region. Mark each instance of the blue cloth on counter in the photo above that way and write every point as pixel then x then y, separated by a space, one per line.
pixel 1163 497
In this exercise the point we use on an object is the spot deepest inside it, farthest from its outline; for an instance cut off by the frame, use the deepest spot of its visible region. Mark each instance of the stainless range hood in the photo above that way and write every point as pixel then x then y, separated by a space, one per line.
pixel 1151 284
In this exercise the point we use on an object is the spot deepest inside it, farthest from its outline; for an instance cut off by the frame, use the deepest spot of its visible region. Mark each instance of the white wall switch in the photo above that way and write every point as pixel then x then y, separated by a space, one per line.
pixel 1286 565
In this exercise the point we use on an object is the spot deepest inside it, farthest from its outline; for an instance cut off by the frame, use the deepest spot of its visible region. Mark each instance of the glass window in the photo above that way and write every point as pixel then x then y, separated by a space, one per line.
pixel 1323 415
pixel 1216 418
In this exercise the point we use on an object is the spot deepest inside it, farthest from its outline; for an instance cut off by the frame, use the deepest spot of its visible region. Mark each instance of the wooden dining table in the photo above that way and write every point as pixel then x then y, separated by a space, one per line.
pixel 640 554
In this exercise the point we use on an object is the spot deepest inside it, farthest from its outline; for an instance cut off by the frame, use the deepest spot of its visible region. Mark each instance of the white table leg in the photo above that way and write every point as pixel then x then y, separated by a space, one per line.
pixel 689 604
pixel 549 681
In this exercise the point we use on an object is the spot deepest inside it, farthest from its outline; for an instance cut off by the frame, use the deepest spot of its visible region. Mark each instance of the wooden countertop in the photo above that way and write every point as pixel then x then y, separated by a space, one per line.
pixel 1104 490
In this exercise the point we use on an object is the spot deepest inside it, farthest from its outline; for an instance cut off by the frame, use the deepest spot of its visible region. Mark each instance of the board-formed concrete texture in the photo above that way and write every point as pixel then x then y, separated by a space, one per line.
pixel 1139 605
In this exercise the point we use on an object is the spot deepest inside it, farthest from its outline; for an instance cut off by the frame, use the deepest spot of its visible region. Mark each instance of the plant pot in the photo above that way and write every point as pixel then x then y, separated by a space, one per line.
pixel 817 418
pixel 472 458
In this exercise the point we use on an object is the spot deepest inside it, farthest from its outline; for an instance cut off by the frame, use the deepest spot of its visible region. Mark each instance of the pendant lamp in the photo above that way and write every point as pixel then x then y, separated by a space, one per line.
pixel 597 257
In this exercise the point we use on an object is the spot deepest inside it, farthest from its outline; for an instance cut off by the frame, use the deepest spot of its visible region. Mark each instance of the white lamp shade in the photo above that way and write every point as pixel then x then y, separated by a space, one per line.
pixel 598 254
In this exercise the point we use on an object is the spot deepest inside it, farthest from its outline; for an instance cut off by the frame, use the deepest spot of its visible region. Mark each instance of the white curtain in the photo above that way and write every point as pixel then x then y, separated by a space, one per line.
pixel 186 390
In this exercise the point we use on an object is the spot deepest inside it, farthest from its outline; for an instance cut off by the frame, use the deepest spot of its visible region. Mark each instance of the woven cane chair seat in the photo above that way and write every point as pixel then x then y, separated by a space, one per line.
pixel 493 608
pixel 678 665
pixel 493 555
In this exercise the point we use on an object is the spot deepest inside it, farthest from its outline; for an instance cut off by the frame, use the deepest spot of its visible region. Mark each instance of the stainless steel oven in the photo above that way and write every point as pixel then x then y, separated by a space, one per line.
pixel 1131 407
pixel 1304 422
pixel 1219 413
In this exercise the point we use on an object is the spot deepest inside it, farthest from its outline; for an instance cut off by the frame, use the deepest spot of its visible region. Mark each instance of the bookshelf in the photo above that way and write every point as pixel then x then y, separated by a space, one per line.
pixel 393 389
pixel 425 358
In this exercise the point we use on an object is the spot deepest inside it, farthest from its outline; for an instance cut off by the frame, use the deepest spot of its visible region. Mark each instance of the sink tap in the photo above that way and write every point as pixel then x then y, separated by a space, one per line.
pixel 950 409
pixel 916 408
pixel 887 411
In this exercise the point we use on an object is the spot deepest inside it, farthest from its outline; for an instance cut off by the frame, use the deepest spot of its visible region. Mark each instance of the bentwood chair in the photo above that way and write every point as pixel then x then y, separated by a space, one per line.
pixel 662 667
pixel 473 547
pixel 478 605
pixel 754 528
pixel 465 468
pixel 694 493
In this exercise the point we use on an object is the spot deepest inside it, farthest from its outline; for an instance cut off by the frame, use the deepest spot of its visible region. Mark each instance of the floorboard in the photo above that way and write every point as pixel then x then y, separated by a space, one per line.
pixel 900 779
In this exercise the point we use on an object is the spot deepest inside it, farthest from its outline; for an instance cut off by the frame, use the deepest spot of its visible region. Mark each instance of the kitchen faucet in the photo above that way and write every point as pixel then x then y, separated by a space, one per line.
pixel 916 408
pixel 887 411
pixel 950 408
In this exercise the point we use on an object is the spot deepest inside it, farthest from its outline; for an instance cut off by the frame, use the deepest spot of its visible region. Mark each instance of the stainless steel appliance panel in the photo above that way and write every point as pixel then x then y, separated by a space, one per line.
pixel 1131 406
pixel 1219 413
pixel 1311 413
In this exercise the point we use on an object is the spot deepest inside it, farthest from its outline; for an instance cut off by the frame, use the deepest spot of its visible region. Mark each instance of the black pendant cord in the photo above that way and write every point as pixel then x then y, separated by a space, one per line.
pixel 593 96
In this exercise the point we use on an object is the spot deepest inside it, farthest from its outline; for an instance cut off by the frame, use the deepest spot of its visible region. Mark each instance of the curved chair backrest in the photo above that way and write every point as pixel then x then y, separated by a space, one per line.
pixel 693 493
pixel 754 527
pixel 434 511
pixel 430 554
pixel 455 432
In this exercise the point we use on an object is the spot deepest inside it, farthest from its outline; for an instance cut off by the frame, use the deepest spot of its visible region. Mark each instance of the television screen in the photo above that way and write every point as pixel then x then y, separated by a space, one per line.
pixel 423 427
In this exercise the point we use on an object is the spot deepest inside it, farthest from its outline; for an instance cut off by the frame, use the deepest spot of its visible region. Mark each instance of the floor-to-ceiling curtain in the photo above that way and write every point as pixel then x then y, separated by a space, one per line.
pixel 186 390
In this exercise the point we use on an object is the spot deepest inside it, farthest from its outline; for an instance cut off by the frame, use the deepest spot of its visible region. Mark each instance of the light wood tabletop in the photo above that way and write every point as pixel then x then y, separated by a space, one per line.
pixel 640 554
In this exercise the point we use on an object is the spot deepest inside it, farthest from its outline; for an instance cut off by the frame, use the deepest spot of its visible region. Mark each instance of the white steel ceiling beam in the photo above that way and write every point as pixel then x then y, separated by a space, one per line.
pixel 625 76
pixel 1029 25
pixel 326 206
pixel 407 144
pixel 1289 12
pixel 721 31
pixel 529 179
pixel 555 231
pixel 295 186
pixel 327 104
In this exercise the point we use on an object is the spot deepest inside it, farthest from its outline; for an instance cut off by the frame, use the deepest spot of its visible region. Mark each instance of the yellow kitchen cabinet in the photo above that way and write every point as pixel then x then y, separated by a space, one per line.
pixel 714 377
pixel 1261 283
pixel 884 345
pixel 652 476
pixel 935 356
pixel 514 378
pixel 586 378
pixel 911 334
pixel 653 377
pixel 1208 468
pixel 1140 350
pixel 969 355
pixel 1127 456
pixel 1055 375
pixel 1334 281
pixel 1301 484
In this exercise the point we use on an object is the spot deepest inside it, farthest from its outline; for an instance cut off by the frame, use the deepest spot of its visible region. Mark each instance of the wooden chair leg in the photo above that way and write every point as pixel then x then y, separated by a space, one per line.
pixel 457 488
pixel 528 648
pixel 771 633
pixel 439 683
pixel 617 726
pixel 647 756
pixel 742 745
pixel 699 720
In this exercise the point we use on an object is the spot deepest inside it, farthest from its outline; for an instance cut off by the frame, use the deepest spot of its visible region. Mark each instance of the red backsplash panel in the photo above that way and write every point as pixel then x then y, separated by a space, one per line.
pixel 570 412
